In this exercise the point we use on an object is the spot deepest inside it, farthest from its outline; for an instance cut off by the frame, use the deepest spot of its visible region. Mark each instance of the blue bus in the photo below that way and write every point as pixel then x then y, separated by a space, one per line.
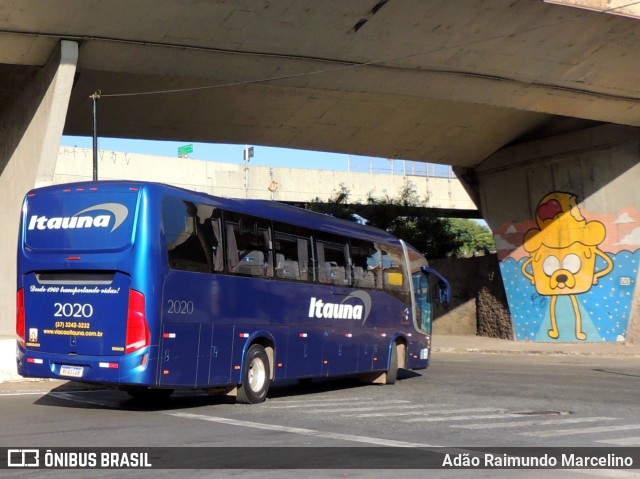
pixel 153 288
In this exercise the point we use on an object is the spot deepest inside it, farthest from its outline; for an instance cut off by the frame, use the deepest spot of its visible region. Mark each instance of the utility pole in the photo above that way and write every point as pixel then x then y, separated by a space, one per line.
pixel 248 154
pixel 94 98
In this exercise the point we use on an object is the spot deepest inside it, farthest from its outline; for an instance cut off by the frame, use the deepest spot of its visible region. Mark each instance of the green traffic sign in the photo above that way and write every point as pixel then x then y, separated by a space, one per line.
pixel 185 150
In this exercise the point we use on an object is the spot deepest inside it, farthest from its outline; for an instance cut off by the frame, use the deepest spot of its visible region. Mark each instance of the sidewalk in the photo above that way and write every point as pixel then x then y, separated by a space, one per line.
pixel 483 345
pixel 441 345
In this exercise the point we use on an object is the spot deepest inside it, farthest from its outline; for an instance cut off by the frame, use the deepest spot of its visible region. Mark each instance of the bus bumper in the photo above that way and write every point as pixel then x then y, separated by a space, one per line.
pixel 136 368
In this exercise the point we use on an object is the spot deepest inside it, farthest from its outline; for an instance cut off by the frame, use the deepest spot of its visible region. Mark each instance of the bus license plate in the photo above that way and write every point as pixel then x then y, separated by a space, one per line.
pixel 71 371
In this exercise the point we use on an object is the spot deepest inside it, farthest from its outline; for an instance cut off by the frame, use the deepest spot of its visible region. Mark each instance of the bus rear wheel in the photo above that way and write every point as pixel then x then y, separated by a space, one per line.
pixel 255 376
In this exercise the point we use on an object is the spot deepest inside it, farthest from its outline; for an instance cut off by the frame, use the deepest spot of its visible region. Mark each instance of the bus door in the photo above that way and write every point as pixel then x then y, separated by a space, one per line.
pixel 422 301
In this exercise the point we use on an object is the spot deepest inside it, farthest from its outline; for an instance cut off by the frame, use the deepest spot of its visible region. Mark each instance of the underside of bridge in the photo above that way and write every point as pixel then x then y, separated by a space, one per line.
pixel 525 98
pixel 439 81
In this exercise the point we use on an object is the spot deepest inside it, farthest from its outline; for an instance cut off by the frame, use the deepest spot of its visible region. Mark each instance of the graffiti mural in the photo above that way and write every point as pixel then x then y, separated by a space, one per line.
pixel 563 250
pixel 569 275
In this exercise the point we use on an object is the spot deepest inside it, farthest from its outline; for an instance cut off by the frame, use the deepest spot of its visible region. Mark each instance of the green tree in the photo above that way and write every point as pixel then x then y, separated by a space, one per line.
pixel 475 238
pixel 402 216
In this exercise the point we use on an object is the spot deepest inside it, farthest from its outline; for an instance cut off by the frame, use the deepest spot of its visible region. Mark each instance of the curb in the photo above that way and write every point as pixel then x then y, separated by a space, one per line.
pixel 535 352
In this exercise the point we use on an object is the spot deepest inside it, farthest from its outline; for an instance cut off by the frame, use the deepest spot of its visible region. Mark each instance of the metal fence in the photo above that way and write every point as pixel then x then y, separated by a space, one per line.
pixel 398 167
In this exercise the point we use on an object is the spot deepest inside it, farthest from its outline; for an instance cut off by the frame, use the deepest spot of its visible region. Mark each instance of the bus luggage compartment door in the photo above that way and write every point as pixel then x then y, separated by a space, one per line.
pixel 180 356
pixel 305 352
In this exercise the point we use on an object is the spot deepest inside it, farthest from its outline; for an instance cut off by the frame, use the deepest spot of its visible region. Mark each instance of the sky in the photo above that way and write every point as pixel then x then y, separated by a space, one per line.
pixel 263 155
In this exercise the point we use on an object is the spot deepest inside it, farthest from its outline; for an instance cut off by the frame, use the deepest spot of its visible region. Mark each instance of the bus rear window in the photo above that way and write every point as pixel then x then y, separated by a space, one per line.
pixel 78 221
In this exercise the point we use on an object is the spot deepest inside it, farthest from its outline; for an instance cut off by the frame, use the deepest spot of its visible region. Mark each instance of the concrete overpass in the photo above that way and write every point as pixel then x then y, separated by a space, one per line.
pixel 291 185
pixel 537 105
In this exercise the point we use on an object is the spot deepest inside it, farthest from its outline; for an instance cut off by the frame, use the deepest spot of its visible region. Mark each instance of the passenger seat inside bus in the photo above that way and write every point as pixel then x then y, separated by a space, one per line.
pixel 329 272
pixel 362 278
pixel 287 268
pixel 252 263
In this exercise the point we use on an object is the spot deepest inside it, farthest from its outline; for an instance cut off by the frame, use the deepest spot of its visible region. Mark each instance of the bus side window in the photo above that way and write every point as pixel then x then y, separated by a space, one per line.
pixel 374 266
pixel 334 264
pixel 393 271
pixel 363 257
pixel 248 246
pixel 216 247
pixel 189 235
pixel 292 253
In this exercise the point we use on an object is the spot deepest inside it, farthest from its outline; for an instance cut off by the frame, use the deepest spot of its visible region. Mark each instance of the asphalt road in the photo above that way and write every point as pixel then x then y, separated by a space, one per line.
pixel 461 401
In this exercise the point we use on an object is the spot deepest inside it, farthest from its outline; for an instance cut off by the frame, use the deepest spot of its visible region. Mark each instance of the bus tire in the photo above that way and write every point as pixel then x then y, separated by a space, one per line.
pixel 392 372
pixel 255 376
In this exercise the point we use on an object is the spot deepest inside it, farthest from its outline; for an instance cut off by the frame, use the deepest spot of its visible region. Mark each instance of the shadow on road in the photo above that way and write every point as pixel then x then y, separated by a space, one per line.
pixel 90 396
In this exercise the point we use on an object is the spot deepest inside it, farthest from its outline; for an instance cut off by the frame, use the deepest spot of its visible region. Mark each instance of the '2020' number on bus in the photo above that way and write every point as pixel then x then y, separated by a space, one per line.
pixel 180 307
pixel 73 310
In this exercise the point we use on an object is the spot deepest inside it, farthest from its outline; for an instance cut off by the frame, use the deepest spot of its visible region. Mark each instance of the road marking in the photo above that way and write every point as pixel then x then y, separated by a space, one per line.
pixel 458 411
pixel 365 440
pixel 31 393
pixel 612 473
pixel 318 400
pixel 586 430
pixel 385 414
pixel 95 402
pixel 372 408
pixel 297 430
pixel 44 393
pixel 623 441
pixel 285 405
pixel 537 422
pixel 429 412
pixel 461 418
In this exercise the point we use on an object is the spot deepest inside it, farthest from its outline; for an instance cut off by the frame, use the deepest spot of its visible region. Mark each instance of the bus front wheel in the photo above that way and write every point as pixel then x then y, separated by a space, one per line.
pixel 255 376
pixel 392 373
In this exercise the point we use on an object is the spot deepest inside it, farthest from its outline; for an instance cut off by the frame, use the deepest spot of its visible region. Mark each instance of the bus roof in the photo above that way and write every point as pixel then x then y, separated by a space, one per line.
pixel 272 210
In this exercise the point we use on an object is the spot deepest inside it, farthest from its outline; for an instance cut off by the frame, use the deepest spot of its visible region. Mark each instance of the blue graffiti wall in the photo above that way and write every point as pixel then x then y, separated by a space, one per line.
pixel 569 274
pixel 605 308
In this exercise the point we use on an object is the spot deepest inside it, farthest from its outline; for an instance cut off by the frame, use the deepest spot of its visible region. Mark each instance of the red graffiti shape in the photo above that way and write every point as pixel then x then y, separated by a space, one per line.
pixel 549 210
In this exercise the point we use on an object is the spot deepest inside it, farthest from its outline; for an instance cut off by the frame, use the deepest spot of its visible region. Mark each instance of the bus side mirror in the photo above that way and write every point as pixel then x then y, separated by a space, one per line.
pixel 444 289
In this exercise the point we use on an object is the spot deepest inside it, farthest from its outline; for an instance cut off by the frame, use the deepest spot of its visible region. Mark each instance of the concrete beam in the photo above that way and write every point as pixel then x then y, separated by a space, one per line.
pixel 31 127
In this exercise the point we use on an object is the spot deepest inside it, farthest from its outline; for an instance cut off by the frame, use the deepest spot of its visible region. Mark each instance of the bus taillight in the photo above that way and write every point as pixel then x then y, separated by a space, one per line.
pixel 138 335
pixel 20 318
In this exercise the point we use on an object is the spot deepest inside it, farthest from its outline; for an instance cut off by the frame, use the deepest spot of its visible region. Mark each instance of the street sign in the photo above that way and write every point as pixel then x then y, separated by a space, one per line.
pixel 185 150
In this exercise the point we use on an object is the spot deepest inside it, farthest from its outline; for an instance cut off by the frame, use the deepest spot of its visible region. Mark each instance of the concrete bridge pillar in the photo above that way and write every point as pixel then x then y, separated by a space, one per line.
pixel 31 127
pixel 565 213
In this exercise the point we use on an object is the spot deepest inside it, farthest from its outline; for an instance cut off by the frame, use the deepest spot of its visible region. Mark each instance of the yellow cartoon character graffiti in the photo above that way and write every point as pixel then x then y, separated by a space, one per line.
pixel 563 252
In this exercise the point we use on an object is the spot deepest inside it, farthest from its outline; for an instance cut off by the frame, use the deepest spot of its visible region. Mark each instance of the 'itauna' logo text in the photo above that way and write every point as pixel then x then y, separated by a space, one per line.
pixel 344 310
pixel 118 211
